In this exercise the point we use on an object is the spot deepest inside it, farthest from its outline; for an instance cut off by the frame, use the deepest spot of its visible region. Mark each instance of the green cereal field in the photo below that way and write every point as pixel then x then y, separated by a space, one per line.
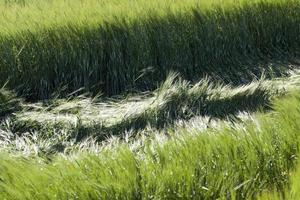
pixel 149 99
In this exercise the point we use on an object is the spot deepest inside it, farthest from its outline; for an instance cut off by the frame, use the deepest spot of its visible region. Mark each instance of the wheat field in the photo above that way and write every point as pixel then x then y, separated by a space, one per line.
pixel 149 99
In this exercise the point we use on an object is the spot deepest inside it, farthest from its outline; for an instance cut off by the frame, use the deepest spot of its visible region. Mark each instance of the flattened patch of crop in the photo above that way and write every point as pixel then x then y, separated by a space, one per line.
pixel 175 99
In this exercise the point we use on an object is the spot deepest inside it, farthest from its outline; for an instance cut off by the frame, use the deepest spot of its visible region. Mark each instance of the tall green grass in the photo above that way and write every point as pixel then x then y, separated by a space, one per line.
pixel 291 192
pixel 229 163
pixel 9 102
pixel 115 46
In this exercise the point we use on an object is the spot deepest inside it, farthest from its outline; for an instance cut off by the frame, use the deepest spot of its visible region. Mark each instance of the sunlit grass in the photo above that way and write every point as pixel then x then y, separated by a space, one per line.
pixel 237 162
pixel 116 46
pixel 231 136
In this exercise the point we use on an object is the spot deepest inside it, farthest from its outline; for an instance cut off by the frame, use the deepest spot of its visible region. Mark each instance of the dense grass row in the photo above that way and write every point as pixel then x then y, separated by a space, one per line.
pixel 229 163
pixel 291 192
pixel 9 102
pixel 61 46
pixel 171 143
